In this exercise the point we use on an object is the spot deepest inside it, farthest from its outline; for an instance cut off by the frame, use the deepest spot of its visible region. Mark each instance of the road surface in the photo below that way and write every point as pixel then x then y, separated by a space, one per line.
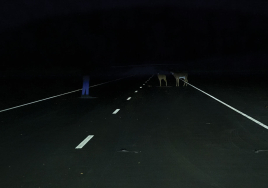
pixel 160 137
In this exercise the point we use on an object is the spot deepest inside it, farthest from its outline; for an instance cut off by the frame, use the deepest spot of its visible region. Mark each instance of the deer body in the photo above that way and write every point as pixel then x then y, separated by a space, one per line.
pixel 162 77
pixel 180 75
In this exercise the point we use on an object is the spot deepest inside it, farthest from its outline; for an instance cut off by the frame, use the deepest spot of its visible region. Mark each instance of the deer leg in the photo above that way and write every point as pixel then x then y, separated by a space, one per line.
pixel 186 82
pixel 160 82
pixel 166 81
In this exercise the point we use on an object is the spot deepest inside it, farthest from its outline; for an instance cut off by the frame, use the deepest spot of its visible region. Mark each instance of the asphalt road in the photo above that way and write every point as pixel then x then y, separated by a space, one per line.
pixel 161 137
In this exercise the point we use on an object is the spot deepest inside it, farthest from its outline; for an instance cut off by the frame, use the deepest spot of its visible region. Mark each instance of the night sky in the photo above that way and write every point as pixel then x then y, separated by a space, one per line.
pixel 84 35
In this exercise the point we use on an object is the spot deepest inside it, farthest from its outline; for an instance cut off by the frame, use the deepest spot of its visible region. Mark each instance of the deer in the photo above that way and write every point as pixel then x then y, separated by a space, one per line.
pixel 180 75
pixel 162 77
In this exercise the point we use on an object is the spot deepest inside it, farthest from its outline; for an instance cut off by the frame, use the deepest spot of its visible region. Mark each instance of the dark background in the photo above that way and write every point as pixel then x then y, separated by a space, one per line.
pixel 185 138
pixel 59 37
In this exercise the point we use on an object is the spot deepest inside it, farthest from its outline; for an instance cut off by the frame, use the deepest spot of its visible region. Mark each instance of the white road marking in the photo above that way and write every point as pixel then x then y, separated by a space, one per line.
pixel 128 98
pixel 243 114
pixel 59 95
pixel 151 76
pixel 116 111
pixel 136 91
pixel 140 87
pixel 84 142
pixel 148 79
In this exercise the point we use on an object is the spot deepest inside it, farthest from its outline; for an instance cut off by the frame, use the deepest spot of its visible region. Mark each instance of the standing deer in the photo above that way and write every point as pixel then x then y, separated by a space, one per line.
pixel 180 75
pixel 162 77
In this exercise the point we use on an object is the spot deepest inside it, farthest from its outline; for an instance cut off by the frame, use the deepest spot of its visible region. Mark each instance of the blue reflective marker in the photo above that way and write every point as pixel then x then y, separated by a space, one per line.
pixel 85 90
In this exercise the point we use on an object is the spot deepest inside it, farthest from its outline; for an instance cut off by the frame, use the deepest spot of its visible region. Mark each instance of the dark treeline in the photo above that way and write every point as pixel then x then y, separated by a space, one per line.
pixel 137 35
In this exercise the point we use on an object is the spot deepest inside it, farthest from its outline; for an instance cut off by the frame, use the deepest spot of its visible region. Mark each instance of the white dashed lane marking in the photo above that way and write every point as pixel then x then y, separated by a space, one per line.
pixel 116 111
pixel 81 145
pixel 128 98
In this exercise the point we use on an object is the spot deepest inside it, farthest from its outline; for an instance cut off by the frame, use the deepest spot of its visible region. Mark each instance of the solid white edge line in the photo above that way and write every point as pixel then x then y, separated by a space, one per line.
pixel 81 145
pixel 128 98
pixel 116 111
pixel 59 95
pixel 243 114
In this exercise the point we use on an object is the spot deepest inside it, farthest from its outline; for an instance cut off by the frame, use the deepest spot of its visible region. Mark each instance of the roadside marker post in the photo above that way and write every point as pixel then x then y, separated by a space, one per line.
pixel 85 89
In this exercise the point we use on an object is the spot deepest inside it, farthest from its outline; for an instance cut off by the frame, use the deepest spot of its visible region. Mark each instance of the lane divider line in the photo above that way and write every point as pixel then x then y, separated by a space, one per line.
pixel 128 98
pixel 136 91
pixel 243 114
pixel 59 95
pixel 150 77
pixel 81 145
pixel 140 87
pixel 116 111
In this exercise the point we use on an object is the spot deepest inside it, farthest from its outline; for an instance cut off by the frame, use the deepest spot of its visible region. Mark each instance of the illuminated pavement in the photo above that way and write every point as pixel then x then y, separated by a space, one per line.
pixel 160 137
